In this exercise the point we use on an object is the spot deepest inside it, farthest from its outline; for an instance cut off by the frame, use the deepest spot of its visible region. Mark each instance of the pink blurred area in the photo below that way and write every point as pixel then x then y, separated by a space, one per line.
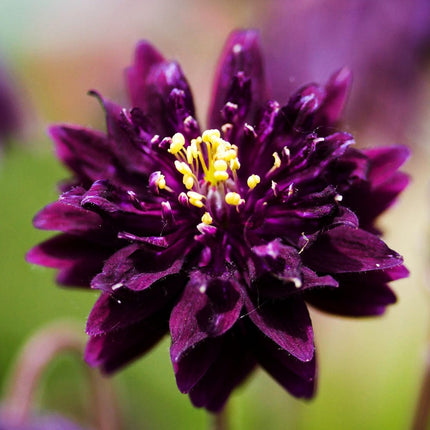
pixel 386 44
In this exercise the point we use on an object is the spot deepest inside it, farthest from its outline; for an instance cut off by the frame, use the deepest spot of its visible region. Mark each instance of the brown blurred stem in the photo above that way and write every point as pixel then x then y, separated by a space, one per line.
pixel 220 420
pixel 36 355
pixel 422 411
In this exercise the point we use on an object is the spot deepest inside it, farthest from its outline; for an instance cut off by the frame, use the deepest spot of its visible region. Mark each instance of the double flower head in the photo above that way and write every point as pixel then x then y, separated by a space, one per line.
pixel 222 236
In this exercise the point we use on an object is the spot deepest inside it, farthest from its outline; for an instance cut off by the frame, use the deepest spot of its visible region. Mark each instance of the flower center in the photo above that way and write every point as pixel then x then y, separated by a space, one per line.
pixel 208 165
pixel 209 154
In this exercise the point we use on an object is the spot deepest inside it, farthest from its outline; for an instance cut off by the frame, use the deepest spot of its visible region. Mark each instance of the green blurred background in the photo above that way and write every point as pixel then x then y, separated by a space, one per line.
pixel 370 370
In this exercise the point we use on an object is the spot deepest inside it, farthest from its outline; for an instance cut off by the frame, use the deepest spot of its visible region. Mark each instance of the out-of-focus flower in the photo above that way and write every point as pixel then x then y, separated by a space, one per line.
pixel 10 113
pixel 17 407
pixel 383 42
pixel 43 422
pixel 221 237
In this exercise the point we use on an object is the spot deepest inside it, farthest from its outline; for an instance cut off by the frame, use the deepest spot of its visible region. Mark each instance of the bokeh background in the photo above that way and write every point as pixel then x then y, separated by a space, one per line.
pixel 56 50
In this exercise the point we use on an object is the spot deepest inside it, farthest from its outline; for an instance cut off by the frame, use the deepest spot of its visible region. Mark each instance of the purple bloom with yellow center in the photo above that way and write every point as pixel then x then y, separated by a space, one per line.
pixel 221 237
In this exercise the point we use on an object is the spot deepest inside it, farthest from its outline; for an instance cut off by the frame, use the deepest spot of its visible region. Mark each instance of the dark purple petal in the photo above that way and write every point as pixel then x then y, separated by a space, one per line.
pixel 115 349
pixel 241 60
pixel 301 108
pixel 287 323
pixel 145 58
pixel 312 280
pixel 295 376
pixel 62 216
pixel 337 89
pixel 121 307
pixel 161 90
pixel 231 367
pixel 358 294
pixel 347 249
pixel 207 309
pixel 86 152
pixel 344 217
pixel 280 260
pixel 129 136
pixel 312 161
pixel 385 161
pixel 369 205
pixel 78 259
pixel 136 268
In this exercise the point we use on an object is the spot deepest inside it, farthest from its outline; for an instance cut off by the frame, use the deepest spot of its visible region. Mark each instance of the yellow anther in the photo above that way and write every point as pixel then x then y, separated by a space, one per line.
pixel 195 199
pixel 183 167
pixel 229 155
pixel 277 162
pixel 209 136
pixel 178 142
pixel 220 175
pixel 196 203
pixel 233 199
pixel 194 195
pixel 192 152
pixel 206 218
pixel 189 155
pixel 252 181
pixel 188 181
pixel 234 164
pixel 220 165
pixel 194 148
pixel 161 182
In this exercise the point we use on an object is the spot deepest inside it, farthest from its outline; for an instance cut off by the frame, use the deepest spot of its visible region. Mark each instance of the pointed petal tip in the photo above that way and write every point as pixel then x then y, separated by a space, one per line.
pixel 342 76
pixel 146 53
pixel 32 256
pixel 243 37
pixel 241 54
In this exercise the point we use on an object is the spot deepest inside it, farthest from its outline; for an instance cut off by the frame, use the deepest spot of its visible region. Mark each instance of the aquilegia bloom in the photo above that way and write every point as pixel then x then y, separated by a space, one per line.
pixel 223 236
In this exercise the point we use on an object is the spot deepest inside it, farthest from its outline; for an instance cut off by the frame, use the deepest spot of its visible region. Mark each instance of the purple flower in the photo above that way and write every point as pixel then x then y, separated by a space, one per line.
pixel 384 43
pixel 223 236
pixel 44 422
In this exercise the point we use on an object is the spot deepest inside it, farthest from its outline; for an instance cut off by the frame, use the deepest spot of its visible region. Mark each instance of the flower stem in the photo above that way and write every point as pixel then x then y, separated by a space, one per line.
pixel 220 420
pixel 422 411
pixel 35 356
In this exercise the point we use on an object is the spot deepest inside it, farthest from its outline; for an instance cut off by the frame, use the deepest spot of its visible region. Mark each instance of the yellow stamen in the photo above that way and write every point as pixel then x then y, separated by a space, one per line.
pixel 188 181
pixel 206 218
pixel 207 162
pixel 233 199
pixel 178 142
pixel 209 135
pixel 234 164
pixel 161 182
pixel 220 176
pixel 195 199
pixel 194 195
pixel 220 165
pixel 253 181
pixel 196 203
pixel 183 167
